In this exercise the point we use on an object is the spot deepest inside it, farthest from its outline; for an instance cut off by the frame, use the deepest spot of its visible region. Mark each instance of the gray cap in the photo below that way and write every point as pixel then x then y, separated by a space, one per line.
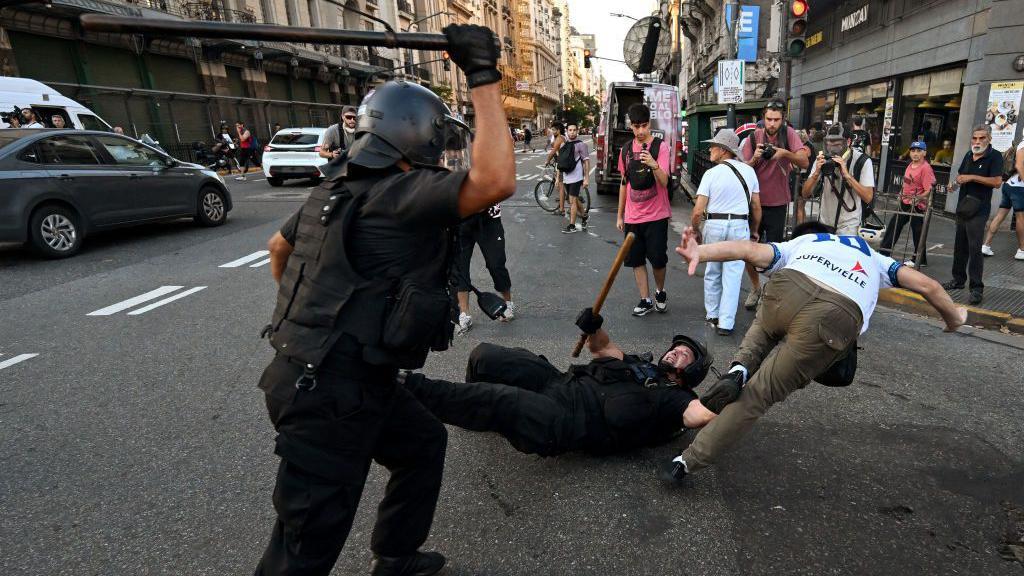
pixel 726 138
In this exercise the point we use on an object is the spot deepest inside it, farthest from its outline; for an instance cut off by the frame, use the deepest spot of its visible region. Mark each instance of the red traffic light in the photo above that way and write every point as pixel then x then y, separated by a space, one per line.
pixel 798 8
pixel 445 55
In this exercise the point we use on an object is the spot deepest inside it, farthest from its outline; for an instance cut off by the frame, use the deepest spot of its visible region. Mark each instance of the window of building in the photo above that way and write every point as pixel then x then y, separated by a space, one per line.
pixel 867 102
pixel 929 110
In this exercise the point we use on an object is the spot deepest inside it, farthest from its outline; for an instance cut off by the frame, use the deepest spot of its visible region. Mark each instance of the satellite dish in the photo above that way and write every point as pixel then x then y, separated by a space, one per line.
pixel 648 46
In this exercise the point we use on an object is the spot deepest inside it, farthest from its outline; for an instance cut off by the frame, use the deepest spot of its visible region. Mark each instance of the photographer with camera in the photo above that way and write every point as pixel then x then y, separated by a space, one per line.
pixel 843 190
pixel 772 151
pixel 12 118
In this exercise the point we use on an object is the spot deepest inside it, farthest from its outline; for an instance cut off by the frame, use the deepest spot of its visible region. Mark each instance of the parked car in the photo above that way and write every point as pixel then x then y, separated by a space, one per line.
pixel 294 153
pixel 46 102
pixel 59 186
pixel 614 130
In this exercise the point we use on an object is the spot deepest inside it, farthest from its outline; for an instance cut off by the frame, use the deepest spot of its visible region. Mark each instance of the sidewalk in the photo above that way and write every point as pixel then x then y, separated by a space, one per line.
pixel 1003 306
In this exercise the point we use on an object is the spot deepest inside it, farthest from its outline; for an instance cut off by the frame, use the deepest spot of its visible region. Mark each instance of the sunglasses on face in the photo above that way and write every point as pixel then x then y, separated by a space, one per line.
pixel 350 117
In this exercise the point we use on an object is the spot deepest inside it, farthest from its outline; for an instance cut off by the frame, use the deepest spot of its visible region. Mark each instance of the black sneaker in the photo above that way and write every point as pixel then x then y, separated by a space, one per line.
pixel 583 222
pixel 712 321
pixel 724 331
pixel 417 564
pixel 953 285
pixel 570 229
pixel 643 308
pixel 660 301
pixel 975 297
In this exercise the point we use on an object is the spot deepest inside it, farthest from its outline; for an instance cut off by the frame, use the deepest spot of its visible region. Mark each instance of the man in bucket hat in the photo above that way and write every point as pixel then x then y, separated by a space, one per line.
pixel 728 208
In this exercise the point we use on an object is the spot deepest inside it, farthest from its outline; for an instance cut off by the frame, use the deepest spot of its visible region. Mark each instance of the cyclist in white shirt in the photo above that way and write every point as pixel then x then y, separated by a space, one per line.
pixel 729 207
pixel 821 295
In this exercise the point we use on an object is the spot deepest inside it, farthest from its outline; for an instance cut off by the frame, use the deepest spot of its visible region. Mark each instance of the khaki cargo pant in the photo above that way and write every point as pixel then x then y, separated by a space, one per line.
pixel 808 327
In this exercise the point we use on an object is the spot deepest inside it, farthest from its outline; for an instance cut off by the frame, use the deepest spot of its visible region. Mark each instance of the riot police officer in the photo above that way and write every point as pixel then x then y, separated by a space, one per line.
pixel 363 270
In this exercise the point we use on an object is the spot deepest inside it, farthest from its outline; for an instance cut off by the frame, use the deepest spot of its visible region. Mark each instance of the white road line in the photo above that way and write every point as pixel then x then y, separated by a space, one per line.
pixel 160 303
pixel 260 263
pixel 16 360
pixel 115 308
pixel 245 259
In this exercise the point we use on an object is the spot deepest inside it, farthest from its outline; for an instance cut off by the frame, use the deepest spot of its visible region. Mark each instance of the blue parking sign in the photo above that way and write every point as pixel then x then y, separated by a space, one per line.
pixel 746 43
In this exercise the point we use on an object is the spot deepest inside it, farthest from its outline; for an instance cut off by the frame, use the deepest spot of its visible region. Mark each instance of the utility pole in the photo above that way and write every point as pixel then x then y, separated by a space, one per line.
pixel 730 51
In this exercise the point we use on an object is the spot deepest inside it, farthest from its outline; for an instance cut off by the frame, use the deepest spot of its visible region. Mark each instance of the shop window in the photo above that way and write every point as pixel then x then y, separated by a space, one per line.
pixel 929 111
pixel 867 102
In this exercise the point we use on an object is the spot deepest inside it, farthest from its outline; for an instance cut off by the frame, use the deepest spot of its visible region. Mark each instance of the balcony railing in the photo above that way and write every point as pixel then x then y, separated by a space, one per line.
pixel 376 60
pixel 404 6
pixel 330 49
pixel 216 13
pixel 371 3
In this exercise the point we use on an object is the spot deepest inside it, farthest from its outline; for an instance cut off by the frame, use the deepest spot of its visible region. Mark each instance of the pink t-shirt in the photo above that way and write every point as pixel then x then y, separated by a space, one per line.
pixel 917 181
pixel 651 204
pixel 773 175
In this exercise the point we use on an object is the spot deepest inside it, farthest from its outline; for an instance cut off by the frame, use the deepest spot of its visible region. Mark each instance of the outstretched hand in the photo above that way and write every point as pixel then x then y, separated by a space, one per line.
pixel 689 249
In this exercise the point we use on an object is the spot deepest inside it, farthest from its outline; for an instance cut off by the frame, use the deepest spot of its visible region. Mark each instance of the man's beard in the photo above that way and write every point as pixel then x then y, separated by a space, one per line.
pixel 771 132
pixel 977 149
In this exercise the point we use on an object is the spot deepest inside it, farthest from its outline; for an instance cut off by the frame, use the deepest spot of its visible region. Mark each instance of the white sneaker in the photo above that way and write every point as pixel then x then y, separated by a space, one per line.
pixel 510 312
pixel 465 323
pixel 1019 255
pixel 987 250
pixel 239 177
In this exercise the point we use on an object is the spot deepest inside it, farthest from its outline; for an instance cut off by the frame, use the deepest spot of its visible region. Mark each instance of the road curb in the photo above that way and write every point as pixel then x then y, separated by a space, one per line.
pixel 912 302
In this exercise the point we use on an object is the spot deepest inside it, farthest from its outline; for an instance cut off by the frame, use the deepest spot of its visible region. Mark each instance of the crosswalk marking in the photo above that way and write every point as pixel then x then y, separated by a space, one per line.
pixel 160 303
pixel 245 259
pixel 522 177
pixel 17 359
pixel 126 304
pixel 260 263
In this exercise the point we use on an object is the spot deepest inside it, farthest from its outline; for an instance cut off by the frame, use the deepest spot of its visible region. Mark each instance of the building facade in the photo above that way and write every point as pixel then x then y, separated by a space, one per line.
pixel 916 69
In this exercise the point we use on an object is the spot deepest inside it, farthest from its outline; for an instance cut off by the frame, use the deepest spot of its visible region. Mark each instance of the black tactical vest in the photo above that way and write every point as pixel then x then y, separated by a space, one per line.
pixel 626 404
pixel 322 296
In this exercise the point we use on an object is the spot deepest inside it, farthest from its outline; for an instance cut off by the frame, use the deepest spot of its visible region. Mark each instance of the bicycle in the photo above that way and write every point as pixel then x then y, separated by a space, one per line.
pixel 546 192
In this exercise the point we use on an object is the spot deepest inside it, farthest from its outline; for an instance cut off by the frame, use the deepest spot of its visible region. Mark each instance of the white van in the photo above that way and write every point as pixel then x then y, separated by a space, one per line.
pixel 46 102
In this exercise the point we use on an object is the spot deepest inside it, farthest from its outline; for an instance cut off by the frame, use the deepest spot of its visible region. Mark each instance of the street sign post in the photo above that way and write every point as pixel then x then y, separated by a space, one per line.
pixel 730 82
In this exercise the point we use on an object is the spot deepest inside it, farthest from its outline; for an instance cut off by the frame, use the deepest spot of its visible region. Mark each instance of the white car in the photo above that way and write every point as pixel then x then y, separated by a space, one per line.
pixel 293 153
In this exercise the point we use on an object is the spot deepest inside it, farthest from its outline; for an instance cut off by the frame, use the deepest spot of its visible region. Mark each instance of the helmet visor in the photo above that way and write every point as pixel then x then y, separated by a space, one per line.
pixel 458 145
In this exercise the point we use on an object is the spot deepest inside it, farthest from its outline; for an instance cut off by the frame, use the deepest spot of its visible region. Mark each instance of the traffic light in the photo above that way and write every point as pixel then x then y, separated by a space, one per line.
pixel 446 61
pixel 797 28
pixel 586 58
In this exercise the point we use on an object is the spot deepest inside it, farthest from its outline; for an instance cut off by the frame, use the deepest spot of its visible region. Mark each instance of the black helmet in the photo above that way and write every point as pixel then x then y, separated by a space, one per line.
pixel 695 373
pixel 403 120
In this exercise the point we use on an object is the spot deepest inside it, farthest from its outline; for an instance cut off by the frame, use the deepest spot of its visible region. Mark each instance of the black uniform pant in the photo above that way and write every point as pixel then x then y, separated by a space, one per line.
pixel 490 235
pixel 511 391
pixel 326 439
pixel 896 223
pixel 968 262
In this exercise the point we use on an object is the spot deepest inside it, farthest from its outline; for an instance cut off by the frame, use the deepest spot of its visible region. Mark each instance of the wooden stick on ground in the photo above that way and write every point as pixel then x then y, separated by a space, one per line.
pixel 616 265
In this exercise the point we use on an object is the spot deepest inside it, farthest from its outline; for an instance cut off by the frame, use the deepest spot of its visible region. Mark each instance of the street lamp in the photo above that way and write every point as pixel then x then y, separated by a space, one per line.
pixel 617 15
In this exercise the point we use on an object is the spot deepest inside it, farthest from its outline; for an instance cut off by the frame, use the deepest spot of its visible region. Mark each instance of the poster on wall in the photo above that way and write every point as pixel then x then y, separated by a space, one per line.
pixel 1002 111
pixel 887 122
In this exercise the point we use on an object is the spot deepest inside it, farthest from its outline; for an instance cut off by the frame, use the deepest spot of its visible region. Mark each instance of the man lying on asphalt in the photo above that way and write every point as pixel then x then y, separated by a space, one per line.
pixel 821 295
pixel 615 403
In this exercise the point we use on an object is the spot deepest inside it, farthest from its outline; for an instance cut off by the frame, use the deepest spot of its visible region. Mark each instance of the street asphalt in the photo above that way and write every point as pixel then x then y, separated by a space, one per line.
pixel 135 441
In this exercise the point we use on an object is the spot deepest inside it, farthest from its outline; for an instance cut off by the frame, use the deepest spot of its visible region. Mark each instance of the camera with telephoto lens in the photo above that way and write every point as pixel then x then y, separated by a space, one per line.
pixel 767 151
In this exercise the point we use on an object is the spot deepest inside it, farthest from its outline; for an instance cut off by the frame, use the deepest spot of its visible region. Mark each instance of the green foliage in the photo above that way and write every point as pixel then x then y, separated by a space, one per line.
pixel 443 91
pixel 585 110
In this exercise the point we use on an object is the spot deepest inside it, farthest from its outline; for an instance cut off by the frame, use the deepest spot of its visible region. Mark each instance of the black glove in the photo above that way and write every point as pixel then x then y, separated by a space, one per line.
pixel 723 392
pixel 588 321
pixel 474 49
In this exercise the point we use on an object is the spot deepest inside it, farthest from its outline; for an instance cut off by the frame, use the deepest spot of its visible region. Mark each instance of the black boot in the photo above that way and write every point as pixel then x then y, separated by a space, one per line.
pixel 417 564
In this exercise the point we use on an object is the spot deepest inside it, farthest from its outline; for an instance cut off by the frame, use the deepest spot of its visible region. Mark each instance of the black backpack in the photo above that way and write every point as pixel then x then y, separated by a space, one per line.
pixel 567 157
pixel 639 178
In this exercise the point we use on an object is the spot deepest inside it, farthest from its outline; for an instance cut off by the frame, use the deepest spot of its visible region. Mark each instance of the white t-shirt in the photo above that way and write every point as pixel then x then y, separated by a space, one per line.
pixel 1016 180
pixel 849 221
pixel 724 191
pixel 844 263
pixel 582 152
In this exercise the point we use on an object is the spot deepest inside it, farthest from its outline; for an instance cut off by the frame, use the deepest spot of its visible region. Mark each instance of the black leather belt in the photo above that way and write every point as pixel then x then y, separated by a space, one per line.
pixel 713 216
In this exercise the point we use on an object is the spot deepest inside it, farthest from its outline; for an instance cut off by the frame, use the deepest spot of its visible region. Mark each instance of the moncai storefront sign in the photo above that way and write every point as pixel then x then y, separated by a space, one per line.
pixel 854 19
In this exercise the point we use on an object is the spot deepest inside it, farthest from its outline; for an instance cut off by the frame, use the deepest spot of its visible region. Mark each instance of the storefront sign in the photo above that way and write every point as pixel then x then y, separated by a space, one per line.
pixel 730 82
pixel 854 19
pixel 1002 111
pixel 814 39
pixel 890 104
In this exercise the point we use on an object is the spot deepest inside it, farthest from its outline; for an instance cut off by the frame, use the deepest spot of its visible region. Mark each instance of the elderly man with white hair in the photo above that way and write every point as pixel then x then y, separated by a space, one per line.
pixel 728 207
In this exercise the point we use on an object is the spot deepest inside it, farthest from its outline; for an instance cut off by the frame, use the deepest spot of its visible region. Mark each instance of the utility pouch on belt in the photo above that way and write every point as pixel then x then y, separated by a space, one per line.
pixel 418 317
